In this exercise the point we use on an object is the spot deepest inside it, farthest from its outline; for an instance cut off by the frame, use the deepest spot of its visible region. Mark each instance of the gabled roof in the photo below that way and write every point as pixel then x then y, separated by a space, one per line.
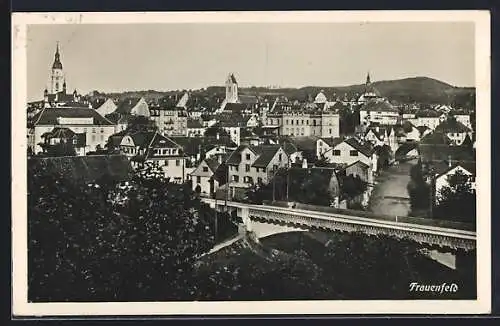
pixel 333 141
pixel 366 166
pixel 248 99
pixel 266 154
pixel 423 129
pixel 303 143
pixel 378 105
pixel 194 123
pixel 125 106
pixel 235 107
pixel 451 126
pixel 142 139
pixel 48 116
pixel 444 168
pixel 405 148
pixel 160 141
pixel 364 148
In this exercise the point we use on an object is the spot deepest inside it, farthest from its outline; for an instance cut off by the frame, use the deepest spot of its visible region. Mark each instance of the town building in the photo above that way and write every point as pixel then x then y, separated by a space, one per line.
pixel 143 147
pixel 56 95
pixel 195 128
pixel 455 130
pixel 208 176
pixel 106 107
pixel 442 177
pixel 380 111
pixel 79 120
pixel 351 150
pixel 249 165
pixel 170 121
pixel 58 135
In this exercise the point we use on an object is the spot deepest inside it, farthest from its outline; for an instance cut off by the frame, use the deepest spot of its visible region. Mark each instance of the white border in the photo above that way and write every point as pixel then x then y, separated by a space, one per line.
pixel 21 307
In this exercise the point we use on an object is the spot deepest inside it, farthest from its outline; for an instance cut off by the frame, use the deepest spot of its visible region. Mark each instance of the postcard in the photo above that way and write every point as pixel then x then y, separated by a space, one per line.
pixel 251 163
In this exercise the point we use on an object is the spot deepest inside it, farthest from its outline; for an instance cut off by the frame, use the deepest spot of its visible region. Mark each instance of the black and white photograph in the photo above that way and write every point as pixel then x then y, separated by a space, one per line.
pixel 239 163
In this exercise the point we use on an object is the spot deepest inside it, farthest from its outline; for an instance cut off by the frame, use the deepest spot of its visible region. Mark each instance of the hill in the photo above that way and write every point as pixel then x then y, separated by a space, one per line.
pixel 408 90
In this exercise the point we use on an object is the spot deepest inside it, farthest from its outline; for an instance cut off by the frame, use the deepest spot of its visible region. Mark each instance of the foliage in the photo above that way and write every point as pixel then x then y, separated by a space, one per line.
pixel 352 186
pixel 457 200
pixel 299 266
pixel 348 121
pixel 62 148
pixel 107 241
pixel 322 161
pixel 216 130
pixel 418 189
pixel 140 123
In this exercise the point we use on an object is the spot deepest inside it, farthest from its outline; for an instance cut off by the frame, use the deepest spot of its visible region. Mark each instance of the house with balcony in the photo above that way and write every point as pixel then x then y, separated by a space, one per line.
pixel 209 175
pixel 96 128
pixel 351 150
pixel 249 165
pixel 143 147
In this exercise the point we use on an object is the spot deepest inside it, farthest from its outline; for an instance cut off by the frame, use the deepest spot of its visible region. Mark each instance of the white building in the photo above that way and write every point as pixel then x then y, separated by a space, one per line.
pixel 96 128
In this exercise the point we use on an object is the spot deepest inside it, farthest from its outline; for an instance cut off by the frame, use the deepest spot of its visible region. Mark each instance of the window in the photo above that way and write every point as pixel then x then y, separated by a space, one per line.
pixel 302 122
pixel 248 157
pixel 177 162
pixel 307 122
pixel 275 167
pixel 247 167
pixel 259 180
pixel 205 169
pixel 353 153
pixel 286 121
pixel 236 178
pixel 291 122
pixel 93 130
pixel 336 152
pixel 330 131
pixel 198 179
pixel 236 167
pixel 280 157
pixel 84 129
pixel 102 130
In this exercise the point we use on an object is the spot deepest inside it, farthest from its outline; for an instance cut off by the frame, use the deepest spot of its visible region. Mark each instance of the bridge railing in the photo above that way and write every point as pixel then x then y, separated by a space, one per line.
pixel 403 219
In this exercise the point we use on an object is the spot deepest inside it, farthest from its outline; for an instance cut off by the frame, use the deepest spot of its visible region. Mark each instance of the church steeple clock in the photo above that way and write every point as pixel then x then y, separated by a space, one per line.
pixel 57 78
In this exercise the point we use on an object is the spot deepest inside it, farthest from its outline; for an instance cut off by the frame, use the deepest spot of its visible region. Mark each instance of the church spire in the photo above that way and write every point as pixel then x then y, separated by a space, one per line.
pixel 368 81
pixel 57 59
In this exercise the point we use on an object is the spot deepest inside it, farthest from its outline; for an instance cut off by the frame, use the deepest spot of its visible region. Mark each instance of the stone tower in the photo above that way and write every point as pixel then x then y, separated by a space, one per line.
pixel 231 89
pixel 57 82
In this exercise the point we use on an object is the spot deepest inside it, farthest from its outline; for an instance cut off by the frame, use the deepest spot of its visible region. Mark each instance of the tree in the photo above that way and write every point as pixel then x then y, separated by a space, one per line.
pixel 63 148
pixel 114 242
pixel 352 186
pixel 457 200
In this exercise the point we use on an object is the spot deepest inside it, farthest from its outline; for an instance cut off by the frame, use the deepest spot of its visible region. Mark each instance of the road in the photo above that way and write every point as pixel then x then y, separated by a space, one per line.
pixel 390 196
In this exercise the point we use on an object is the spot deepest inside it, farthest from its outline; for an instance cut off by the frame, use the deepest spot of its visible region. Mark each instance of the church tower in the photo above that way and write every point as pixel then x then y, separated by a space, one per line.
pixel 57 82
pixel 231 89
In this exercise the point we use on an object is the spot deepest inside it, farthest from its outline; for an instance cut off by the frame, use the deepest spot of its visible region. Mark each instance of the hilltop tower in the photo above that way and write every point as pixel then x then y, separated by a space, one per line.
pixel 57 82
pixel 231 89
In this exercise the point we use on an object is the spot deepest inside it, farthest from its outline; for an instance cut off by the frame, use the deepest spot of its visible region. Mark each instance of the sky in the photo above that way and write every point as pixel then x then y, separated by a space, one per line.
pixel 115 57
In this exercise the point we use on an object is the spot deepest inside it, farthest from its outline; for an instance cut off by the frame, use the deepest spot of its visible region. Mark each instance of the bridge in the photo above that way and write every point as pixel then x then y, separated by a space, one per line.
pixel 445 236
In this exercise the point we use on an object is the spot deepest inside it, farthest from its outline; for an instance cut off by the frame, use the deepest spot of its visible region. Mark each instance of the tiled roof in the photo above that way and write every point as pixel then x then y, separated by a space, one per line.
pixel 125 106
pixel 365 148
pixel 303 143
pixel 142 138
pixel 235 107
pixel 49 116
pixel 427 114
pixel 235 157
pixel 445 167
pixel 248 99
pixel 405 148
pixel 231 120
pixel 194 123
pixel 333 141
pixel 266 154
pixel 442 151
pixel 85 168
pixel 378 105
pixel 451 126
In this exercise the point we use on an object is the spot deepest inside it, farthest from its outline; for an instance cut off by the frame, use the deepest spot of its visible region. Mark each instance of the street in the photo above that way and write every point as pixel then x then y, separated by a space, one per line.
pixel 390 196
